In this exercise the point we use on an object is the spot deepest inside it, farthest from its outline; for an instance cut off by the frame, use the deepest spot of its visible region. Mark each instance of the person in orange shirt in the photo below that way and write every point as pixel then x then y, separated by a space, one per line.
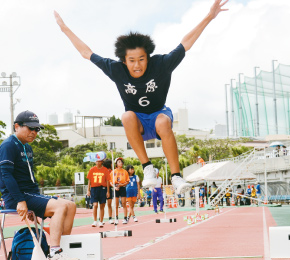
pixel 98 189
pixel 121 178
pixel 200 160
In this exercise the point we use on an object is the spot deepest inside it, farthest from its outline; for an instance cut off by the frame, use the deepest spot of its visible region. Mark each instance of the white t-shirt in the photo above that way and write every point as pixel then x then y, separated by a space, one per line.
pixel 159 182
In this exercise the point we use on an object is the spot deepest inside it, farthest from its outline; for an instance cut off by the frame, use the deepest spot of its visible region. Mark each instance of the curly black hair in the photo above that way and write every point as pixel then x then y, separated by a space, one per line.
pixel 132 41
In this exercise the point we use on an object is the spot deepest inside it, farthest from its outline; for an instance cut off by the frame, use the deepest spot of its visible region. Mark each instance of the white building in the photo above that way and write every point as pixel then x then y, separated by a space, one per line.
pixel 92 129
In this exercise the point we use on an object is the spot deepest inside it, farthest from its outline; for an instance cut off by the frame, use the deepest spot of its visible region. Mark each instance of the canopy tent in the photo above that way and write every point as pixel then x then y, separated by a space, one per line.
pixel 218 172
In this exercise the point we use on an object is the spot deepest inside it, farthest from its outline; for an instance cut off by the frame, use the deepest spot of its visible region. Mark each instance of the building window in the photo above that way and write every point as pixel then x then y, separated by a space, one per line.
pixel 158 144
pixel 129 146
pixel 112 145
pixel 150 145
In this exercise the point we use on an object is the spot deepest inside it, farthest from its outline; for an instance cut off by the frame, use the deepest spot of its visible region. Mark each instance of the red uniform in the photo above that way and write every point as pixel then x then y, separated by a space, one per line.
pixel 98 176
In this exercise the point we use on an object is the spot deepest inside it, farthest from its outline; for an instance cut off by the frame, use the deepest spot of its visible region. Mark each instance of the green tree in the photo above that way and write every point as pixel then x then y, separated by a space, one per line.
pixel 2 126
pixel 113 121
pixel 45 146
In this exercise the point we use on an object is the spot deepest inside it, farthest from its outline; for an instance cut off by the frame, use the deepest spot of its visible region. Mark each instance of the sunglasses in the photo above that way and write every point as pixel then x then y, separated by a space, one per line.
pixel 36 129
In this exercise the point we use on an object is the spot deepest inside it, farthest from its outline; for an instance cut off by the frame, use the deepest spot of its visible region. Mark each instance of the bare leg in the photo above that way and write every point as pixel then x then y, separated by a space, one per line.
pixel 117 206
pixel 109 203
pixel 123 199
pixel 131 204
pixel 102 211
pixel 61 222
pixel 133 129
pixel 163 129
pixel 95 210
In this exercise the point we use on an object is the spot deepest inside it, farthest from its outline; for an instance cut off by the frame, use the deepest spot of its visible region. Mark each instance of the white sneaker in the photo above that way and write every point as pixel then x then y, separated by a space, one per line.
pixel 60 255
pixel 101 224
pixel 180 185
pixel 125 221
pixel 111 221
pixel 95 224
pixel 135 219
pixel 116 221
pixel 149 177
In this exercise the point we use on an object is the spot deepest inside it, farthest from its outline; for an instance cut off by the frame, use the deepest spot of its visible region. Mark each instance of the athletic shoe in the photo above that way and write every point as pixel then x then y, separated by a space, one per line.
pixel 60 255
pixel 156 212
pixel 180 185
pixel 135 219
pixel 111 221
pixel 149 177
pixel 101 224
pixel 95 224
pixel 116 221
pixel 128 219
pixel 161 211
pixel 125 221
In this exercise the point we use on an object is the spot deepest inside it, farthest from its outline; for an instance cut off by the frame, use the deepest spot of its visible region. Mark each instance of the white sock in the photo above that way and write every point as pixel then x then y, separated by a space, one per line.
pixel 53 249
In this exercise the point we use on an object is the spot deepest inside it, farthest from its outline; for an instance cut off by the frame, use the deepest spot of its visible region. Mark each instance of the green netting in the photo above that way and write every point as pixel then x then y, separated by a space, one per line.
pixel 266 108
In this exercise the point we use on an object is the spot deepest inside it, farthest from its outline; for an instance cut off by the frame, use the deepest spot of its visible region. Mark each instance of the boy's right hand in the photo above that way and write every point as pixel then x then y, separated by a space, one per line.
pixel 58 19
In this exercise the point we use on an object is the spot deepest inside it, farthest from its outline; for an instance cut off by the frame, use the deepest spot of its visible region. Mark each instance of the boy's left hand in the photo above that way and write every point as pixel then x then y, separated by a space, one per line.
pixel 217 8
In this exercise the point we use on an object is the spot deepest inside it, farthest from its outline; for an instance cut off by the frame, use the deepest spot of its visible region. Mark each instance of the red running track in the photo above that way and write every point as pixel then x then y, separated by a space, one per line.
pixel 235 232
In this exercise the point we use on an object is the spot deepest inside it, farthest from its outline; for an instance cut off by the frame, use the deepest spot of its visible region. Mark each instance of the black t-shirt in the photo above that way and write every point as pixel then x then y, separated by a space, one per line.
pixel 14 171
pixel 148 93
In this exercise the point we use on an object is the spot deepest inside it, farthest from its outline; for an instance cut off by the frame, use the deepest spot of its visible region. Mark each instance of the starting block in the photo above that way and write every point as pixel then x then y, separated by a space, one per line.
pixel 166 220
pixel 85 246
pixel 279 242
pixel 121 233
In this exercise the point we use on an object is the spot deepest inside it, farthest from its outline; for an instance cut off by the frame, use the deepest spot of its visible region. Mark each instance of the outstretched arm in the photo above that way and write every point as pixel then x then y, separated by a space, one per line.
pixel 83 49
pixel 190 38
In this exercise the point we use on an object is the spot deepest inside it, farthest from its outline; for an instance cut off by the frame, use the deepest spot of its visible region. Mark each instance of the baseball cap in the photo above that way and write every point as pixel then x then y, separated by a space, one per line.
pixel 29 118
pixel 119 158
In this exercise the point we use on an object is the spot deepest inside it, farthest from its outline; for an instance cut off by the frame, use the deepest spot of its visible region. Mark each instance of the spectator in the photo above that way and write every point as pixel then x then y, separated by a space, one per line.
pixel 259 195
pixel 157 192
pixel 121 177
pixel 253 195
pixel 228 196
pixel 200 161
pixel 148 195
pixel 213 190
pixel 88 201
pixel 132 191
pixel 98 189
pixel 240 191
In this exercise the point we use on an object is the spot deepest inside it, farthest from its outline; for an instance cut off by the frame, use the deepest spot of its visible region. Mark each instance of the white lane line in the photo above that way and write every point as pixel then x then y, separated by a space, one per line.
pixel 266 238
pixel 159 239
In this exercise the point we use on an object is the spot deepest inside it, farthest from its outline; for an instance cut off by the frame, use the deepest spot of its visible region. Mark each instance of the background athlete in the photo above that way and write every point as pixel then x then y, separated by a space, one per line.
pixel 143 83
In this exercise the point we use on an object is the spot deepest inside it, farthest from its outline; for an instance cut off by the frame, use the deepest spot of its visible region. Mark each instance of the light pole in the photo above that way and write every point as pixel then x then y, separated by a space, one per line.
pixel 14 80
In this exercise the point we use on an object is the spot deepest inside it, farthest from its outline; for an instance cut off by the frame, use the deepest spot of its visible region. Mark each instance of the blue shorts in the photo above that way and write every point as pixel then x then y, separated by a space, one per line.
pixel 148 122
pixel 99 194
pixel 35 202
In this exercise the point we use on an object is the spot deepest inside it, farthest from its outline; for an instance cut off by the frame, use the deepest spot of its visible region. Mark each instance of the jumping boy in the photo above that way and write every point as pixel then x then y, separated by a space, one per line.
pixel 143 84
pixel 99 188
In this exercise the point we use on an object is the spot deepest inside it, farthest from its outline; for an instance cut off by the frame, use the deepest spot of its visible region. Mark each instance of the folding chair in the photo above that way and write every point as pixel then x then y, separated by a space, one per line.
pixel 14 212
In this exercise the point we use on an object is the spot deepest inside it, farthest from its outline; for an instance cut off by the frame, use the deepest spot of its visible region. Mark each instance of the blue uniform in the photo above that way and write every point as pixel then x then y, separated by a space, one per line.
pixel 146 95
pixel 17 181
pixel 132 187
pixel 258 188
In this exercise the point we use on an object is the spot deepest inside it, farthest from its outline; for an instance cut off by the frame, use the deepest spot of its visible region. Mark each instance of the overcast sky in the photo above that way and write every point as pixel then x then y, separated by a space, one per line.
pixel 56 79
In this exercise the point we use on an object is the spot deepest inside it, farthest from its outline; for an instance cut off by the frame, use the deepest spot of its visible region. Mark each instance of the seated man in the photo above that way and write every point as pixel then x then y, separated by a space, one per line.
pixel 20 190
